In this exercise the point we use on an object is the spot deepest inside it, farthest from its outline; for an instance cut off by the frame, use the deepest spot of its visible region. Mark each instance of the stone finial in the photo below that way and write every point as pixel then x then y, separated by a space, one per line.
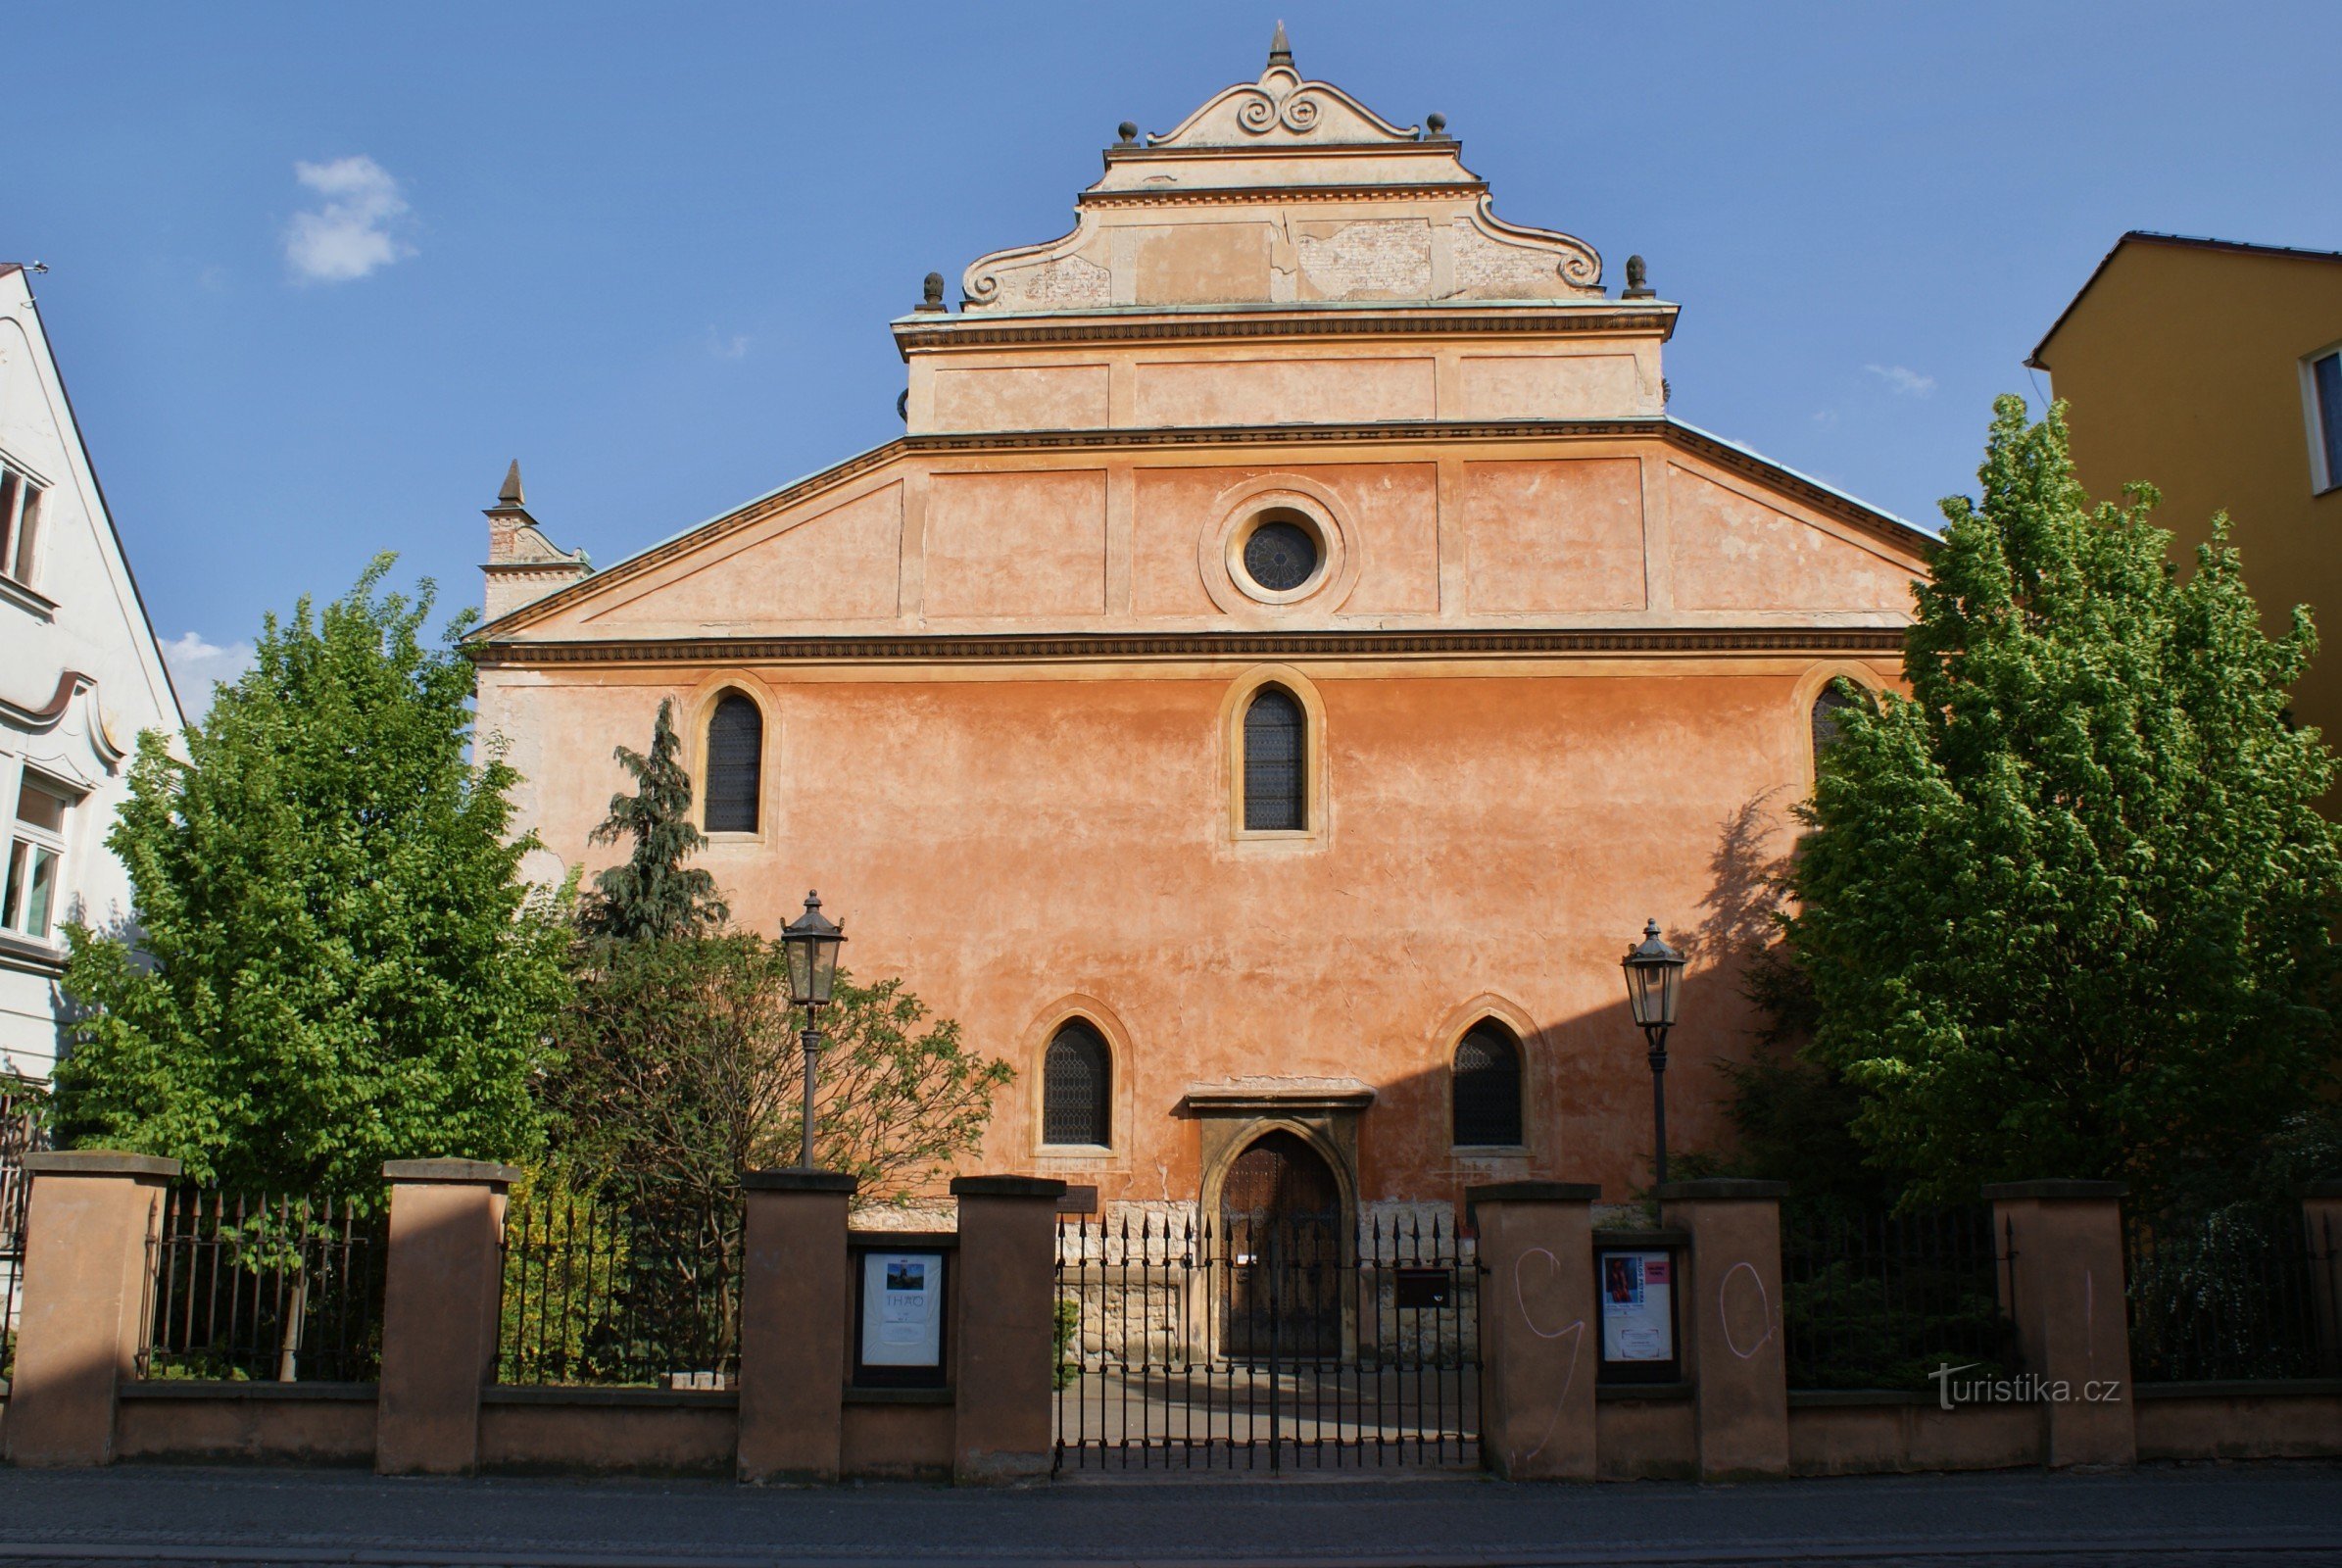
pixel 931 293
pixel 1639 286
pixel 1127 132
pixel 1437 124
pixel 1279 49
pixel 509 495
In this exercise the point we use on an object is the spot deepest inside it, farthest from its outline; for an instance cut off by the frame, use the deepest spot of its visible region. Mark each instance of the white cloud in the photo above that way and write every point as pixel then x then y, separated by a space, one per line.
pixel 734 347
pixel 196 663
pixel 1903 379
pixel 352 234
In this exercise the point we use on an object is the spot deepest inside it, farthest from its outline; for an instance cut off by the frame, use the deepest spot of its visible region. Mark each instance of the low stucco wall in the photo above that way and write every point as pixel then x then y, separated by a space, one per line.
pixel 1869 1432
pixel 1646 1436
pixel 2291 1420
pixel 895 1438
pixel 269 1423
pixel 630 1431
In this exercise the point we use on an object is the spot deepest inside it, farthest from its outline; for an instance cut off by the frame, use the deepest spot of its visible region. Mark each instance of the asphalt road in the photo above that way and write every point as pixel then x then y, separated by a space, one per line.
pixel 2267 1516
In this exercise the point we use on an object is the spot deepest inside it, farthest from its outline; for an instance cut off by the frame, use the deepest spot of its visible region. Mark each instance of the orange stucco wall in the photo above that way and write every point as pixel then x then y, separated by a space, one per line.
pixel 1491 840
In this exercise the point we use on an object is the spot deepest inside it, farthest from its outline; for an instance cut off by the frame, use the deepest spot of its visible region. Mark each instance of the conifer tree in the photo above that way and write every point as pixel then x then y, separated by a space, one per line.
pixel 653 896
pixel 333 959
pixel 2067 909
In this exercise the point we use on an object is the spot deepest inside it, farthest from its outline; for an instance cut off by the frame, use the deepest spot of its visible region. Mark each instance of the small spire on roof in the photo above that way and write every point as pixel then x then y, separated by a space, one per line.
pixel 509 495
pixel 1279 49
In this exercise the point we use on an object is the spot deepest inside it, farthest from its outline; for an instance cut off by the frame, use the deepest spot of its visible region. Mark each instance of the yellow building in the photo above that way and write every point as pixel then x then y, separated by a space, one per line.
pixel 2214 371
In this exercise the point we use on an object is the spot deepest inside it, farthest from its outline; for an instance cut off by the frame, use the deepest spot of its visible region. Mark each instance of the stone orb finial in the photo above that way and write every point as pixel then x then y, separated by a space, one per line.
pixel 1128 131
pixel 1639 286
pixel 1438 125
pixel 931 293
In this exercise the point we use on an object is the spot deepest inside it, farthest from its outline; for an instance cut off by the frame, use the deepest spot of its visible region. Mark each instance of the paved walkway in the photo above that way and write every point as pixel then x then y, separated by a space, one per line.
pixel 2263 1515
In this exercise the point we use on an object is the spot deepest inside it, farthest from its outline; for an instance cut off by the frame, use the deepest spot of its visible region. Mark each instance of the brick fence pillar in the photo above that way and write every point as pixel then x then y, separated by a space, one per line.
pixel 441 1291
pixel 2322 1219
pixel 794 1297
pixel 1539 1344
pixel 1005 1311
pixel 1729 1313
pixel 82 1306
pixel 2064 1283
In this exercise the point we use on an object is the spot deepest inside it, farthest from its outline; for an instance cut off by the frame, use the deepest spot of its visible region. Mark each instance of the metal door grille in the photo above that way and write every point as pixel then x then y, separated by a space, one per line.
pixel 1266 1346
pixel 24 1129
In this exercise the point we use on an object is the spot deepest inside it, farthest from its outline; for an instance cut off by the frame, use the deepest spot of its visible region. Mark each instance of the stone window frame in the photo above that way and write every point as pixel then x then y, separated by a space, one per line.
pixel 1316 833
pixel 1038 1035
pixel 1808 692
pixel 1492 1007
pixel 1288 497
pixel 698 710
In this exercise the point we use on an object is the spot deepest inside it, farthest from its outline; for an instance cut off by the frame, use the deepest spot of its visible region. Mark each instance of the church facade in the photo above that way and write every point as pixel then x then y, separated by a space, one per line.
pixel 1286 657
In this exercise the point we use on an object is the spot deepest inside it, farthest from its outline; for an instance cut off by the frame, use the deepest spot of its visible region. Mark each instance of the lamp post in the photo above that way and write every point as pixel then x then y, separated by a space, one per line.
pixel 1653 971
pixel 811 942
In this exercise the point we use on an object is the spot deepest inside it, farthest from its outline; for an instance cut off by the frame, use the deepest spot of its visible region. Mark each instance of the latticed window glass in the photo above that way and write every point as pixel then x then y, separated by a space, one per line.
pixel 1276 792
pixel 735 764
pixel 1281 556
pixel 1487 1087
pixel 1827 708
pixel 1076 1081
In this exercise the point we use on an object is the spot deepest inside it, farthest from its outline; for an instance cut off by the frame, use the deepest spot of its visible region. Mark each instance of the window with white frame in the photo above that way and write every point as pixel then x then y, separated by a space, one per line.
pixel 35 859
pixel 2323 392
pixel 20 523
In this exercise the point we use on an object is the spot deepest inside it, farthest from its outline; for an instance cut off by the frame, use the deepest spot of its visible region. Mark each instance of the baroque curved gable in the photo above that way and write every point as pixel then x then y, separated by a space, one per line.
pixel 1284 191
pixel 1282 107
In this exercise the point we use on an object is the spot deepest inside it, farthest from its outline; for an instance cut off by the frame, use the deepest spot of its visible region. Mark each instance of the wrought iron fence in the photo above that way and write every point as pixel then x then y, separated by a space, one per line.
pixel 1266 1345
pixel 1880 1301
pixel 642 1290
pixel 24 1129
pixel 270 1290
pixel 2228 1295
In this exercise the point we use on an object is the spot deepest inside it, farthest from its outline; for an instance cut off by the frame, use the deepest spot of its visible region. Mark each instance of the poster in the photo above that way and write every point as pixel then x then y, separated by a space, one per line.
pixel 903 1310
pixel 1637 1290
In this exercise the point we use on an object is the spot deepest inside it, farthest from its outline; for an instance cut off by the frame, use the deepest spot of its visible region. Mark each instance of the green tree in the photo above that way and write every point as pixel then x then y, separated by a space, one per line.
pixel 333 960
pixel 2066 909
pixel 680 1068
pixel 653 895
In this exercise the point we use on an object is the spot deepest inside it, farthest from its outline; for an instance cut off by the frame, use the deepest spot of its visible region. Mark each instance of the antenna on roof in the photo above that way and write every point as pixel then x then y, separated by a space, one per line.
pixel 1279 49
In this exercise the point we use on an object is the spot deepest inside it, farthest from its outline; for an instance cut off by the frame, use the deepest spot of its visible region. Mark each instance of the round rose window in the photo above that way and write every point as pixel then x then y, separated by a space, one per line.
pixel 1281 556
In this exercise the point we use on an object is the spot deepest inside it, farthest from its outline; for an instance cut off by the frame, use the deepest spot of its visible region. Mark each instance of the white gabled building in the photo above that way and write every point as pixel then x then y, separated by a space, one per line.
pixel 79 678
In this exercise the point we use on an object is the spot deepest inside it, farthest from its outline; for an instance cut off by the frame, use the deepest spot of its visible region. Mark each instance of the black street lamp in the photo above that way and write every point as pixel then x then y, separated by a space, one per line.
pixel 1654 971
pixel 812 941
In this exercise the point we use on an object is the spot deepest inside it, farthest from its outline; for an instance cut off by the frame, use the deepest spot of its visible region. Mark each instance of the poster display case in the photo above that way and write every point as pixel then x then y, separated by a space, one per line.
pixel 1636 1279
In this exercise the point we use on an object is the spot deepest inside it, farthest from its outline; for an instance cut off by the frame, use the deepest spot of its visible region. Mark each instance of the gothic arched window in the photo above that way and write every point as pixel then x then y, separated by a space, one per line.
pixel 1487 1087
pixel 1829 703
pixel 1077 1081
pixel 735 764
pixel 1276 779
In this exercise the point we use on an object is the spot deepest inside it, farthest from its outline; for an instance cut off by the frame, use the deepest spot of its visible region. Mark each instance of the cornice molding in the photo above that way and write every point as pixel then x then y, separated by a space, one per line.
pixel 1276 195
pixel 1299 324
pixel 1091 647
pixel 1284 438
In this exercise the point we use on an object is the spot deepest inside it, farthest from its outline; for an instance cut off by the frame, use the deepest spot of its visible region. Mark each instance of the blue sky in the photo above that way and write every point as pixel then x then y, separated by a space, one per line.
pixel 319 272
